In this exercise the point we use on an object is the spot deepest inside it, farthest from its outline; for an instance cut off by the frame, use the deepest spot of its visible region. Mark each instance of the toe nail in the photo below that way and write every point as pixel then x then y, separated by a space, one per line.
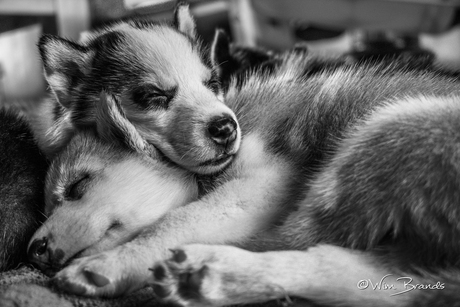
pixel 95 278
pixel 178 255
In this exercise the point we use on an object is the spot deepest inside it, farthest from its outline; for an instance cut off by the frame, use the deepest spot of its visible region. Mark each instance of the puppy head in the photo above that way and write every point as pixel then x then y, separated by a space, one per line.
pixel 167 86
pixel 99 195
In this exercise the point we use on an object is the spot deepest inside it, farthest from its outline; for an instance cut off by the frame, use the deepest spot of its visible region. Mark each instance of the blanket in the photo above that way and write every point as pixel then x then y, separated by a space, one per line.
pixel 27 287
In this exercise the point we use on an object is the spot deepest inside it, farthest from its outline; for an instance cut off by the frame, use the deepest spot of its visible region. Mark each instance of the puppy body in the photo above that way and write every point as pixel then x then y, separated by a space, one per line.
pixel 376 151
pixel 324 160
pixel 22 179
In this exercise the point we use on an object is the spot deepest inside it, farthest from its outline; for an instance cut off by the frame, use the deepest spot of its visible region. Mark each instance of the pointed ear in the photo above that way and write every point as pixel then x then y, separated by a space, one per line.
pixel 184 21
pixel 222 60
pixel 230 60
pixel 65 63
pixel 220 48
pixel 113 126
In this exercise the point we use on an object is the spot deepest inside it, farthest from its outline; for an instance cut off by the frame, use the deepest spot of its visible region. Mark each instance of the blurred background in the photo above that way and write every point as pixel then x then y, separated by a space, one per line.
pixel 429 27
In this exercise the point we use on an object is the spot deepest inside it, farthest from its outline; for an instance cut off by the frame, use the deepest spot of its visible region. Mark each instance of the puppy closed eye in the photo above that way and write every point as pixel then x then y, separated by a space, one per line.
pixel 213 84
pixel 76 190
pixel 150 97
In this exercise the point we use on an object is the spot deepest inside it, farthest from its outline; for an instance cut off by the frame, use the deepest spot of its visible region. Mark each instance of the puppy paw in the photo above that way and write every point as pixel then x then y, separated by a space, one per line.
pixel 203 275
pixel 99 275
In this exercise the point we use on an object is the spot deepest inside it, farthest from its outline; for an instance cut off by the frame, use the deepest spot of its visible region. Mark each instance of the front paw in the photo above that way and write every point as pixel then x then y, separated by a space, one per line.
pixel 201 275
pixel 103 274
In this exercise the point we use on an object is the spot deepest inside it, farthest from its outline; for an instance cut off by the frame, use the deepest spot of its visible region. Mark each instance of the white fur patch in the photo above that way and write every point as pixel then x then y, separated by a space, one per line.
pixel 139 195
pixel 424 105
pixel 171 57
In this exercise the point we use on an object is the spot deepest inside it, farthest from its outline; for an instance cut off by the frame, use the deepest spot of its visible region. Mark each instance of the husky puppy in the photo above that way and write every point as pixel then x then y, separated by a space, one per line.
pixel 22 179
pixel 351 170
pixel 375 220
pixel 165 81
pixel 81 197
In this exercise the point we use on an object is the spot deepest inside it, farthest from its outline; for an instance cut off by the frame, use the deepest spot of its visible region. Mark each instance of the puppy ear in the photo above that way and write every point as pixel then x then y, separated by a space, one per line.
pixel 222 59
pixel 220 52
pixel 65 63
pixel 113 126
pixel 230 60
pixel 184 21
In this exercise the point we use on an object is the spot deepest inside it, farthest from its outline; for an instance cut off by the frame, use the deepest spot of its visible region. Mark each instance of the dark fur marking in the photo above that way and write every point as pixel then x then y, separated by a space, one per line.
pixel 110 70
pixel 47 39
pixel 23 170
pixel 107 41
pixel 236 61
pixel 72 70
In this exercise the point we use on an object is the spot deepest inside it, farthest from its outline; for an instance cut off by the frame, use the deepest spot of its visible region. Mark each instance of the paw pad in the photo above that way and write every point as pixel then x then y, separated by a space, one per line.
pixel 178 255
pixel 96 279
pixel 159 272
pixel 190 283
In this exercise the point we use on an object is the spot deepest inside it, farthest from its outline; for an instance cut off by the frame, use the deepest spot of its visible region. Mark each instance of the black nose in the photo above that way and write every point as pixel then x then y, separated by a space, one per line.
pixel 38 251
pixel 222 129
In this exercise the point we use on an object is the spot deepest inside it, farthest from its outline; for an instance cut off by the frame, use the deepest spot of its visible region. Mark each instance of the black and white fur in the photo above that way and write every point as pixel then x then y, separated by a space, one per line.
pixel 81 190
pixel 164 79
pixel 344 174
pixel 374 160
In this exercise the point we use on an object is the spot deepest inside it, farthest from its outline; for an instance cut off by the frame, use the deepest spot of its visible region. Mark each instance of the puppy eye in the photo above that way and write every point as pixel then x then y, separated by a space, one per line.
pixel 159 100
pixel 152 98
pixel 213 84
pixel 76 190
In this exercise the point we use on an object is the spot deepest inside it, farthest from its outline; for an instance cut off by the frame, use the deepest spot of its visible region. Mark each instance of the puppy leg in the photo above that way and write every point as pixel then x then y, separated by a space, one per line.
pixel 246 203
pixel 211 275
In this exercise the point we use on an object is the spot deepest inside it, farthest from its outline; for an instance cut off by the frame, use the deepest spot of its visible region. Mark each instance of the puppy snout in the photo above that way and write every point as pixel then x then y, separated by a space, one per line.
pixel 44 256
pixel 38 251
pixel 223 129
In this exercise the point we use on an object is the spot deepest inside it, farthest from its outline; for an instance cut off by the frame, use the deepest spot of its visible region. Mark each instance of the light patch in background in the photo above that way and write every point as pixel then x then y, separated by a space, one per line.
pixel 21 74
